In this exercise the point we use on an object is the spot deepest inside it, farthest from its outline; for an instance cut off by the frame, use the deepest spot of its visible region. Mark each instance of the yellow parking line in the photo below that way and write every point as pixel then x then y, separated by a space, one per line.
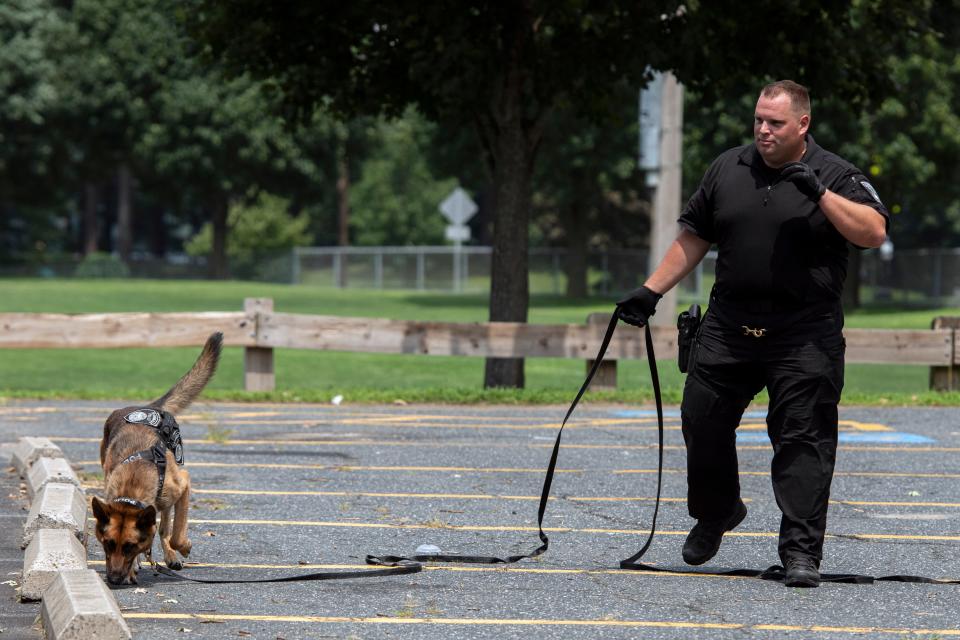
pixel 454 422
pixel 866 503
pixel 864 426
pixel 485 445
pixel 442 469
pixel 854 474
pixel 449 621
pixel 468 527
pixel 346 467
pixel 546 622
pixel 453 496
pixel 481 496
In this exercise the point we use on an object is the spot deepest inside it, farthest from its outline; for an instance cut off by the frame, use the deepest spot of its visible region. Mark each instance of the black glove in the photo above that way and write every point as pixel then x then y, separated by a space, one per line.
pixel 800 174
pixel 637 306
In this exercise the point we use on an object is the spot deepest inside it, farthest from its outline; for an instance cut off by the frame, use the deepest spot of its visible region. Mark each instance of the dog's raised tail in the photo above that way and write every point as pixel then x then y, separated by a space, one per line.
pixel 192 383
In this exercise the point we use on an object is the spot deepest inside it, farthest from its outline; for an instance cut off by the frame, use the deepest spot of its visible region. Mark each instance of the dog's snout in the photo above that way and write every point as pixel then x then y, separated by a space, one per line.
pixel 120 579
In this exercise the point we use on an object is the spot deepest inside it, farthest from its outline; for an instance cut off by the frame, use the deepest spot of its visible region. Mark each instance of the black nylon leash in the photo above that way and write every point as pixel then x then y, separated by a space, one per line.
pixel 388 560
pixel 399 570
pixel 774 573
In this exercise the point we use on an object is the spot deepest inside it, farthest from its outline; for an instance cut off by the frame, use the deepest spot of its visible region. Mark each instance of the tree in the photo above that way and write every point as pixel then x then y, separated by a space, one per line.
pixel 218 139
pixel 113 57
pixel 498 67
pixel 30 153
pixel 395 199
pixel 502 67
pixel 588 193
pixel 260 233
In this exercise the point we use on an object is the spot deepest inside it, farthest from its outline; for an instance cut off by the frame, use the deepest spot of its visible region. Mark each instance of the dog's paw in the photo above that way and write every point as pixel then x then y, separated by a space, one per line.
pixel 176 565
pixel 184 548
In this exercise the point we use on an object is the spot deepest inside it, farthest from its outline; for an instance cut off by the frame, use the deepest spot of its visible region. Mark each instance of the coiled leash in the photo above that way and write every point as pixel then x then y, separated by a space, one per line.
pixel 632 563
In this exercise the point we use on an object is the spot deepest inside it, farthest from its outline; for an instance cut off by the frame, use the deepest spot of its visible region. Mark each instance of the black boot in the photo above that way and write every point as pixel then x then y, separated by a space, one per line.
pixel 703 541
pixel 801 571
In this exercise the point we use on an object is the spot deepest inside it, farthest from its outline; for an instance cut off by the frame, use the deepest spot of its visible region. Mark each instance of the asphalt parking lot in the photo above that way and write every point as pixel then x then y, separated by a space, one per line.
pixel 281 489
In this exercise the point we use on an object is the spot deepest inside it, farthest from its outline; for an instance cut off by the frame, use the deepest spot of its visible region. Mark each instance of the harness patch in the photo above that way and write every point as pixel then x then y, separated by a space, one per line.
pixel 144 416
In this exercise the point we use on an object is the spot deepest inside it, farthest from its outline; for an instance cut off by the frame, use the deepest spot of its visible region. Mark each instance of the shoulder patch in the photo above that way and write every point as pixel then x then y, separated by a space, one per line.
pixel 869 189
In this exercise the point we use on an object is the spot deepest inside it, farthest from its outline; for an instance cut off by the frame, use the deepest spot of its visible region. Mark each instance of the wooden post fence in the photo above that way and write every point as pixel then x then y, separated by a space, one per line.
pixel 259 329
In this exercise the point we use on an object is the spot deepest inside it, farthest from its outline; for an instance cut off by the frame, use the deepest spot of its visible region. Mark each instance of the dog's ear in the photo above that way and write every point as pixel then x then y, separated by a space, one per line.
pixel 147 518
pixel 100 511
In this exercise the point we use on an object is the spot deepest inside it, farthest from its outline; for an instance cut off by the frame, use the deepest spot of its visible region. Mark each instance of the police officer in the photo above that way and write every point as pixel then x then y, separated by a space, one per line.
pixel 782 212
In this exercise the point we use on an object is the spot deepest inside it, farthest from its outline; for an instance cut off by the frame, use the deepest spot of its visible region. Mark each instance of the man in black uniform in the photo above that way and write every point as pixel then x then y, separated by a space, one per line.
pixel 782 212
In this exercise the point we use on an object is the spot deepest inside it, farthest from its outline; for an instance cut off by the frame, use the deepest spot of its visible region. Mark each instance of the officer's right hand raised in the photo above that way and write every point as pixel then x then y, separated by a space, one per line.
pixel 637 306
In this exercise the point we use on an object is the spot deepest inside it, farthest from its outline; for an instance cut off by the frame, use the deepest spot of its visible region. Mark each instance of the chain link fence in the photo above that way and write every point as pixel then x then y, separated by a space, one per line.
pixel 464 270
pixel 910 277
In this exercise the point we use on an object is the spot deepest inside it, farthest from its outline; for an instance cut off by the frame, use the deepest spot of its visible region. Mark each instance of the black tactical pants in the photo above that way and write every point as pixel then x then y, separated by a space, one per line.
pixel 801 365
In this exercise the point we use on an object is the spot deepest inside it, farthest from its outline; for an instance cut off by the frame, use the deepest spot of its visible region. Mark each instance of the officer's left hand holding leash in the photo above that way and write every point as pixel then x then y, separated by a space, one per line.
pixel 807 181
pixel 637 306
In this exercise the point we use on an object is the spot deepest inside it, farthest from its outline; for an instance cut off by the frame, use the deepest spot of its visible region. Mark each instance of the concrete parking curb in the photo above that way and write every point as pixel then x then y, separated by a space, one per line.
pixel 46 470
pixel 76 603
pixel 28 449
pixel 78 606
pixel 58 505
pixel 52 551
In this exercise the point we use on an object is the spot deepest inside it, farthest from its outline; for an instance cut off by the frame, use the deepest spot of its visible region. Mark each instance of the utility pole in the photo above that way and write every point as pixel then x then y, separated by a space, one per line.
pixel 666 181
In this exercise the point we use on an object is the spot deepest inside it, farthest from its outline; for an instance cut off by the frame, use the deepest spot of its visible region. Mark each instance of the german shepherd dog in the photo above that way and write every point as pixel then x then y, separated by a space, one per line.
pixel 141 457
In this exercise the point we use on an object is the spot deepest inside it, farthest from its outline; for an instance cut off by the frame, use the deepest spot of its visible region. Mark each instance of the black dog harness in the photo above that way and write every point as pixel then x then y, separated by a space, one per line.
pixel 169 432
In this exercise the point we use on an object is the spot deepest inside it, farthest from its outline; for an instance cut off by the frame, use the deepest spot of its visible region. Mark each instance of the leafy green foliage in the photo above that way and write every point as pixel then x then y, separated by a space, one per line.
pixel 258 232
pixel 102 265
pixel 28 91
pixel 396 198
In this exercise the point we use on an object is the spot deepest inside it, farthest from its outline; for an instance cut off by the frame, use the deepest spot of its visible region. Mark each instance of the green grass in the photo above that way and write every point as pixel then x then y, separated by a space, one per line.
pixel 316 376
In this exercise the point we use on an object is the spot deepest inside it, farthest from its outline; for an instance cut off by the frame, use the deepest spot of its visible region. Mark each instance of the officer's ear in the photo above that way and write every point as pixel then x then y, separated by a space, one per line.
pixel 804 124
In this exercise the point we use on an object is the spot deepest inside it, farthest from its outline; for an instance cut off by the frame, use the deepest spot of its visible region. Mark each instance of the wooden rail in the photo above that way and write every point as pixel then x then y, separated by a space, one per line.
pixel 260 330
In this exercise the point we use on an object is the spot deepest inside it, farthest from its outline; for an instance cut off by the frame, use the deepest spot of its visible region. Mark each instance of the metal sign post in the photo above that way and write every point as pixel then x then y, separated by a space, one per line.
pixel 457 208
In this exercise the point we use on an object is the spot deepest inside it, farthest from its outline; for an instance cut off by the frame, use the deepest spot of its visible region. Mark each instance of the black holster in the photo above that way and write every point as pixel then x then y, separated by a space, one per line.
pixel 687 324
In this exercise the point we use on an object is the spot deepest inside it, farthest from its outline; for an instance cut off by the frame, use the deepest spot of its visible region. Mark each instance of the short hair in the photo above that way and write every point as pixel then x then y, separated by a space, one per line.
pixel 799 96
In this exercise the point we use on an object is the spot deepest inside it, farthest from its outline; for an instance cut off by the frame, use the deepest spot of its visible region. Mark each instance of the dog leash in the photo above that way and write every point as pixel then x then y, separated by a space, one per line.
pixel 774 573
pixel 399 570
pixel 629 563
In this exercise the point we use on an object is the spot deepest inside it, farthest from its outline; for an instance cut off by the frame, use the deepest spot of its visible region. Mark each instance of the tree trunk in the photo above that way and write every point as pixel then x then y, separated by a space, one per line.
pixel 90 227
pixel 218 268
pixel 851 288
pixel 512 136
pixel 509 283
pixel 343 203
pixel 124 213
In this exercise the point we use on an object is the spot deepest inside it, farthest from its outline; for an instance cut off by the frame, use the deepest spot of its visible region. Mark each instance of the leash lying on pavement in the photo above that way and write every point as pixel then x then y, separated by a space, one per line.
pixel 304 577
pixel 629 563
pixel 632 563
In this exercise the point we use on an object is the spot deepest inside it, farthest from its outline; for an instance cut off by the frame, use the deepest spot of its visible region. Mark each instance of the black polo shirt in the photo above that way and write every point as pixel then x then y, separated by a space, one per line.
pixel 776 250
